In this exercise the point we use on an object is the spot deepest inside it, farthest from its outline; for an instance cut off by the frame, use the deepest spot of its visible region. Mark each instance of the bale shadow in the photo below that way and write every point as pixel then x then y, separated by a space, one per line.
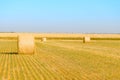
pixel 9 53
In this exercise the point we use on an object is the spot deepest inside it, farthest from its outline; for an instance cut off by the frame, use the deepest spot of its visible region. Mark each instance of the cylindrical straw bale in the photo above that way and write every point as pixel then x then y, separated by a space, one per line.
pixel 86 39
pixel 44 39
pixel 26 44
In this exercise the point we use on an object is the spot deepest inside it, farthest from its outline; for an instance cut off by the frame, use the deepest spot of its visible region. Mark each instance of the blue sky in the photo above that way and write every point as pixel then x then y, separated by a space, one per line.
pixel 74 16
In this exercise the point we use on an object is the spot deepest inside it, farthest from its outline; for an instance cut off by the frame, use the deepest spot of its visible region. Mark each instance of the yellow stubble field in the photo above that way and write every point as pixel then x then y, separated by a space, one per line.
pixel 61 60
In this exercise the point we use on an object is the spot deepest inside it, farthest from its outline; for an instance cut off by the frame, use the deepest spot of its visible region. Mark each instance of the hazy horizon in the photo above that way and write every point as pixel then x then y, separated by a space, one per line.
pixel 61 16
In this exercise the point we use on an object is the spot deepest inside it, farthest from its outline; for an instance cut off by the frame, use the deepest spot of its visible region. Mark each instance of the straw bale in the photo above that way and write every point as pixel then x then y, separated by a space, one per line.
pixel 86 39
pixel 44 39
pixel 26 44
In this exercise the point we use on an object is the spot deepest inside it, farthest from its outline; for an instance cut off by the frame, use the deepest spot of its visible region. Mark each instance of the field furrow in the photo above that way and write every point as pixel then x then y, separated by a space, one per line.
pixel 25 68
pixel 37 69
pixel 31 68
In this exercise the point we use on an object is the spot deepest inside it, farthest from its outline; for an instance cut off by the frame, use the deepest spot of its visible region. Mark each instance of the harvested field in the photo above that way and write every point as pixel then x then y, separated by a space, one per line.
pixel 62 60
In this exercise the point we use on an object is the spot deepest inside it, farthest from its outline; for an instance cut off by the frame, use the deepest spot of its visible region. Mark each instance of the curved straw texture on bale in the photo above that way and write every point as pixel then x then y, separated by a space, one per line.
pixel 44 39
pixel 86 39
pixel 26 44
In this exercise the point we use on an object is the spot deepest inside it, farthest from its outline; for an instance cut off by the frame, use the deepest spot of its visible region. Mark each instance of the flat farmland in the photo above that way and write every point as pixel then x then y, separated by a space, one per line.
pixel 61 60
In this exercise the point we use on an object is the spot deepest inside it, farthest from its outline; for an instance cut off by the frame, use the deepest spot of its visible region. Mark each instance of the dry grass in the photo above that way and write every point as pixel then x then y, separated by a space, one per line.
pixel 63 35
pixel 26 44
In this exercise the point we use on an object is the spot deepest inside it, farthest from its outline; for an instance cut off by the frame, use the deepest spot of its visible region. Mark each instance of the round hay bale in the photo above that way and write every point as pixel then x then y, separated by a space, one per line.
pixel 44 39
pixel 26 44
pixel 86 39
